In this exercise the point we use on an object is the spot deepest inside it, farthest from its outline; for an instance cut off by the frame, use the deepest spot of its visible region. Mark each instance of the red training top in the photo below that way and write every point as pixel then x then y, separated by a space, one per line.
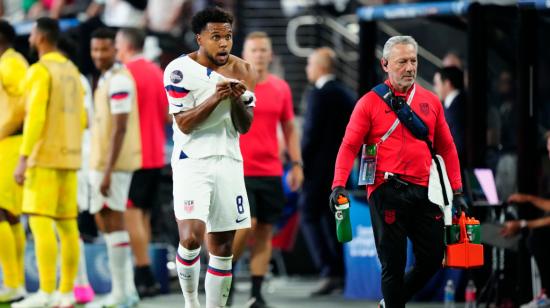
pixel 401 153
pixel 153 107
pixel 259 146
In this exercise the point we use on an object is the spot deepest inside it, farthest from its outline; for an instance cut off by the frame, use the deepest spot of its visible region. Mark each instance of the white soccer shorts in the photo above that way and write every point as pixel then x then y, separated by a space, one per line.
pixel 211 189
pixel 118 192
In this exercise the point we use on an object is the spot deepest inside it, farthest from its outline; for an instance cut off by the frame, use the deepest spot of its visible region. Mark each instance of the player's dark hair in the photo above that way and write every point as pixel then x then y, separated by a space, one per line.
pixel 134 36
pixel 104 34
pixel 7 33
pixel 212 14
pixel 49 27
pixel 454 75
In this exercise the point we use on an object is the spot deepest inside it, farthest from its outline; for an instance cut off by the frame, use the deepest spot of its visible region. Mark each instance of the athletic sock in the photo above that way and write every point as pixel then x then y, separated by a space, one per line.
pixel 256 290
pixel 218 281
pixel 118 251
pixel 8 256
pixel 19 237
pixel 188 266
pixel 68 237
pixel 130 283
pixel 45 246
pixel 82 273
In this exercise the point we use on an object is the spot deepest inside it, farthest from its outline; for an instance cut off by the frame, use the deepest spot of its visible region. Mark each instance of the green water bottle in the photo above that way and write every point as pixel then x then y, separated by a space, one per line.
pixel 343 222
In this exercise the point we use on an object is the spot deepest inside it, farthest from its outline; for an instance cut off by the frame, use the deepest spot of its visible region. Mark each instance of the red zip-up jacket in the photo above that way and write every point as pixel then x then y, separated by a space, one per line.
pixel 401 153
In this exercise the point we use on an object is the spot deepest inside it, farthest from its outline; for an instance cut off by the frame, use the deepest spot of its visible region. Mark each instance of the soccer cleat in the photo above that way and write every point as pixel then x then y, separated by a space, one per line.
pixel 39 299
pixel 83 294
pixel 10 295
pixel 111 301
pixel 540 301
pixel 65 300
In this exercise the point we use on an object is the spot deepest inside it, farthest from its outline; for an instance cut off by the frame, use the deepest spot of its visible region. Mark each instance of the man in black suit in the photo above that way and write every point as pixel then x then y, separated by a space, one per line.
pixel 329 106
pixel 449 86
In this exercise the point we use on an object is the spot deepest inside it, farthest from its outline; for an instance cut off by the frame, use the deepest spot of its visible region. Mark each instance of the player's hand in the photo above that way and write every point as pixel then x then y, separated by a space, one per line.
pixel 459 205
pixel 510 228
pixel 519 198
pixel 237 89
pixel 223 90
pixel 295 178
pixel 105 186
pixel 19 174
pixel 333 199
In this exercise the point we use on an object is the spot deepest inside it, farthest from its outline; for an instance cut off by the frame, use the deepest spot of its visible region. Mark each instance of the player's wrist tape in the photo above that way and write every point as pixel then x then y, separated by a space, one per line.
pixel 523 223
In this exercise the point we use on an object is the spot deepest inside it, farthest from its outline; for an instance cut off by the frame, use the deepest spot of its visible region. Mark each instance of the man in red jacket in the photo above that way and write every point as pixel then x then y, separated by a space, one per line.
pixel 153 109
pixel 398 198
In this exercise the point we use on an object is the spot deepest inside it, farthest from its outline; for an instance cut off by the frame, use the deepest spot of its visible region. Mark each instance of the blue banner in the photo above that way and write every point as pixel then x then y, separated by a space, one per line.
pixel 538 4
pixel 413 10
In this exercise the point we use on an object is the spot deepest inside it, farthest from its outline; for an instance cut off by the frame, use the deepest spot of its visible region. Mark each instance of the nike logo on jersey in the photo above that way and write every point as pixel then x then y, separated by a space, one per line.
pixel 178 105
pixel 240 220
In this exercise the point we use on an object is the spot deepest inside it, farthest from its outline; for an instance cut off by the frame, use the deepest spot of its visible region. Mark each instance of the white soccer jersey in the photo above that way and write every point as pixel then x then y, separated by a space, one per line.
pixel 188 84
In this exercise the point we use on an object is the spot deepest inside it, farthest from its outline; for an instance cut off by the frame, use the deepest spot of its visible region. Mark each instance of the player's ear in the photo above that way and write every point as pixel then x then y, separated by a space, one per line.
pixel 198 38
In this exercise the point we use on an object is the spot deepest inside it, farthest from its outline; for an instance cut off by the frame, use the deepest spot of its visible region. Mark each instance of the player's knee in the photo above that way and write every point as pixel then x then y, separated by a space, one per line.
pixel 223 249
pixel 191 241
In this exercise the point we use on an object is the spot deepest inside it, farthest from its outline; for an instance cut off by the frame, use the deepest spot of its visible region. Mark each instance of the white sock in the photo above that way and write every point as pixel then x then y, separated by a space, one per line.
pixel 188 265
pixel 118 251
pixel 130 283
pixel 218 281
pixel 82 274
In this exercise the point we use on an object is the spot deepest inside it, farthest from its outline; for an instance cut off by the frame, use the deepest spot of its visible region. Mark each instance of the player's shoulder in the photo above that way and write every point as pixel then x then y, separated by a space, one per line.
pixel 240 65
pixel 278 82
pixel 179 62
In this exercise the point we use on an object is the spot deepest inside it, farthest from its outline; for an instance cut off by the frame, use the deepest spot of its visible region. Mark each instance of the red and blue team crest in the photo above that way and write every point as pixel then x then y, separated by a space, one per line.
pixel 118 96
pixel 425 108
pixel 389 216
pixel 188 206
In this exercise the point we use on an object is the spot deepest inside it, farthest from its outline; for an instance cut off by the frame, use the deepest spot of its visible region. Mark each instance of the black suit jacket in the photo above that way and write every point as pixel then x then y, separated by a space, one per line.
pixel 326 118
pixel 456 118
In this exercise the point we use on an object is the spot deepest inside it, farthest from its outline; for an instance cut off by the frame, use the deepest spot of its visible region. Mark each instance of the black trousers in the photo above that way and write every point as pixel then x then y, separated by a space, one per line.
pixel 398 212
pixel 319 229
pixel 538 245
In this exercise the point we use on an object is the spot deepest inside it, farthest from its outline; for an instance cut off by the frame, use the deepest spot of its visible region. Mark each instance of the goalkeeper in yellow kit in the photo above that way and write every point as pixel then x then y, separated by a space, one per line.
pixel 49 158
pixel 12 111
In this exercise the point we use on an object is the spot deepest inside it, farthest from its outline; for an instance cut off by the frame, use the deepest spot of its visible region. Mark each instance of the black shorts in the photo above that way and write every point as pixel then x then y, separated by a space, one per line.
pixel 144 188
pixel 266 197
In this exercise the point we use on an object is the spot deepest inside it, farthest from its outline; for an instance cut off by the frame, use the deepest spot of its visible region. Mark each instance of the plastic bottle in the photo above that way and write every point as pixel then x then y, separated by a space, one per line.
pixel 449 297
pixel 343 222
pixel 470 295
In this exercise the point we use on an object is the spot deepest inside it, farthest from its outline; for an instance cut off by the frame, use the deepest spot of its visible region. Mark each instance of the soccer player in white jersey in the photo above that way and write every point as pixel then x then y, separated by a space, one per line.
pixel 211 100
pixel 115 154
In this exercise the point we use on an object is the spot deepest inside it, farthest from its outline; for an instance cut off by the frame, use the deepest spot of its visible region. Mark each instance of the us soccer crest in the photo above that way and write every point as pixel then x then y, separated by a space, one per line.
pixel 188 206
pixel 425 108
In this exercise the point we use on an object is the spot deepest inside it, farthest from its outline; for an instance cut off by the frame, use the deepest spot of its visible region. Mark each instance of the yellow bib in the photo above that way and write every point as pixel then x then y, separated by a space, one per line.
pixel 129 158
pixel 12 108
pixel 59 146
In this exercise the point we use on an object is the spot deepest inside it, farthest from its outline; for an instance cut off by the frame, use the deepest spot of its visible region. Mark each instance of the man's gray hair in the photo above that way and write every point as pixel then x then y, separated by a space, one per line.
pixel 396 40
